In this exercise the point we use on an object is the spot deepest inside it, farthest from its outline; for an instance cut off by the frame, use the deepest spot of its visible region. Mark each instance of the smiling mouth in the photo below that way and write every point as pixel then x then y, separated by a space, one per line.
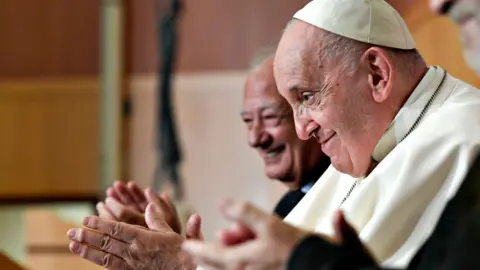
pixel 270 154
pixel 328 138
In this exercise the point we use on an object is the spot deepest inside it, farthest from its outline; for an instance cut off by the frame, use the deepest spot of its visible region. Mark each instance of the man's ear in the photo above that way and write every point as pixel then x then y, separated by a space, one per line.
pixel 380 73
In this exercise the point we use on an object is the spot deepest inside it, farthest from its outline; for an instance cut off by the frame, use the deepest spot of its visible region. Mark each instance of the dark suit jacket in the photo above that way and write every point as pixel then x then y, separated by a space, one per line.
pixel 454 244
pixel 288 202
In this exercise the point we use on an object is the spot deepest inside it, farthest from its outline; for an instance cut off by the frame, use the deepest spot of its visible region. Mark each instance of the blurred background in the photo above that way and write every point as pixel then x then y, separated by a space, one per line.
pixel 78 84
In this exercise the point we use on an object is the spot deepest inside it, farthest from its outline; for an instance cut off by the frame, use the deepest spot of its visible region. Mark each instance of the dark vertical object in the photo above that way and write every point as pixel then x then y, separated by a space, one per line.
pixel 169 153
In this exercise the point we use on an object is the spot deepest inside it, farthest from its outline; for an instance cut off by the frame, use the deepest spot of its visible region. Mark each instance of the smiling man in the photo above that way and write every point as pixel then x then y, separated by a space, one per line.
pixel 271 131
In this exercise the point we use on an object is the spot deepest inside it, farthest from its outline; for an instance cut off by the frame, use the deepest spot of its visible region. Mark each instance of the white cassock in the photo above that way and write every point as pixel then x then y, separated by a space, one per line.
pixel 423 158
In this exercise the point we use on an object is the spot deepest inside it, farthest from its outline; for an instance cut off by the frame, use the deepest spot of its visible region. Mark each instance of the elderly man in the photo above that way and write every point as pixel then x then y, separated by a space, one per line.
pixel 401 137
pixel 271 131
pixel 269 121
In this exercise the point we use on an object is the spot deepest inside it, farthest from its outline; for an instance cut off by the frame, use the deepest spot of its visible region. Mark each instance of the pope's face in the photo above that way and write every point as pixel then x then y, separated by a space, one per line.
pixel 327 105
pixel 465 13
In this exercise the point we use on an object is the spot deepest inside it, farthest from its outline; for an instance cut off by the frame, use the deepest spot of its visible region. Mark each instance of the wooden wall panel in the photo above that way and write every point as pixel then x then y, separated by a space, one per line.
pixel 49 138
pixel 214 34
pixel 49 99
pixel 49 38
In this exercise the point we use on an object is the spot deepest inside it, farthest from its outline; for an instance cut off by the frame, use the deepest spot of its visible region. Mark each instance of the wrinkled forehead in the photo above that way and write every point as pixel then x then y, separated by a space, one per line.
pixel 261 93
pixel 296 56
pixel 293 45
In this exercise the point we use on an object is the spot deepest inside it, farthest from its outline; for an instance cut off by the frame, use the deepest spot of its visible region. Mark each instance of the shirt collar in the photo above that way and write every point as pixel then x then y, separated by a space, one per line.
pixel 306 187
pixel 409 113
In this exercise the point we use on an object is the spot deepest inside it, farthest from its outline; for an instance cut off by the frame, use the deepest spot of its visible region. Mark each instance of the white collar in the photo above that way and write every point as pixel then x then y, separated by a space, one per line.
pixel 410 112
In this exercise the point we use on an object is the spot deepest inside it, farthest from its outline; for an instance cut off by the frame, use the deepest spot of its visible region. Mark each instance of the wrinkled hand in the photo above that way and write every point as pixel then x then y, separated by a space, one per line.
pixel 127 203
pixel 259 240
pixel 120 246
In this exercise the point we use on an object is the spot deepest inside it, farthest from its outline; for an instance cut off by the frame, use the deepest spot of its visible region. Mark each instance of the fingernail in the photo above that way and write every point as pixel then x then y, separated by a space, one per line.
pixel 74 247
pixel 71 233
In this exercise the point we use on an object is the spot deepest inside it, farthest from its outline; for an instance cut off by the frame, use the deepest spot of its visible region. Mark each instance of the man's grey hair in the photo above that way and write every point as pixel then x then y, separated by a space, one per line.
pixel 261 55
pixel 348 53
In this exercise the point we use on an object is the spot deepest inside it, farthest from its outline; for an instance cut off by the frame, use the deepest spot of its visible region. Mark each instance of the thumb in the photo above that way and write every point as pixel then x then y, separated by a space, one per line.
pixel 155 220
pixel 247 215
pixel 345 234
pixel 194 228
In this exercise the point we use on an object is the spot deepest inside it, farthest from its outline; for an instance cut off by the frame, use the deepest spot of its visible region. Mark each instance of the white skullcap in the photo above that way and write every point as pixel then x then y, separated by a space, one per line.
pixel 370 21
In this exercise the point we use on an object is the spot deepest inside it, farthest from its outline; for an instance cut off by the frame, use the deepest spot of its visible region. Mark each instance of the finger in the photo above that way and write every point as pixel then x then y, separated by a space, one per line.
pixel 157 201
pixel 175 220
pixel 206 264
pixel 194 228
pixel 206 255
pixel 118 230
pixel 118 209
pixel 111 192
pixel 103 212
pixel 155 219
pixel 98 257
pixel 344 233
pixel 123 213
pixel 138 196
pixel 217 256
pixel 123 193
pixel 98 241
pixel 235 235
pixel 168 200
pixel 246 214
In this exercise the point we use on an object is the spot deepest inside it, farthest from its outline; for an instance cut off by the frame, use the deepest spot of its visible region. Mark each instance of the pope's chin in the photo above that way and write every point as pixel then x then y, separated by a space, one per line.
pixel 347 166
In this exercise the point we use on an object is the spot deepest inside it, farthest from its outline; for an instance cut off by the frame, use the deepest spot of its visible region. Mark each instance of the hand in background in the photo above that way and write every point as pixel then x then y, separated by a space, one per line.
pixel 127 203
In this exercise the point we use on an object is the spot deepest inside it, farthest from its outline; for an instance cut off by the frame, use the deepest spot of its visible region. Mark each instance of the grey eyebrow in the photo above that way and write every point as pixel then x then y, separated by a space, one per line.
pixel 262 108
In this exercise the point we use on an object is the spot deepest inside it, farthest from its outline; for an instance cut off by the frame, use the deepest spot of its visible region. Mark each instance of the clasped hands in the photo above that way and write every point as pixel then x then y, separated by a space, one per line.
pixel 257 240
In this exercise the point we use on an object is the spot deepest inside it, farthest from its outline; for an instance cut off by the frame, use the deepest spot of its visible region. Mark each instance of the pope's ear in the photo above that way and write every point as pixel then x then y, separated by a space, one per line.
pixel 379 67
